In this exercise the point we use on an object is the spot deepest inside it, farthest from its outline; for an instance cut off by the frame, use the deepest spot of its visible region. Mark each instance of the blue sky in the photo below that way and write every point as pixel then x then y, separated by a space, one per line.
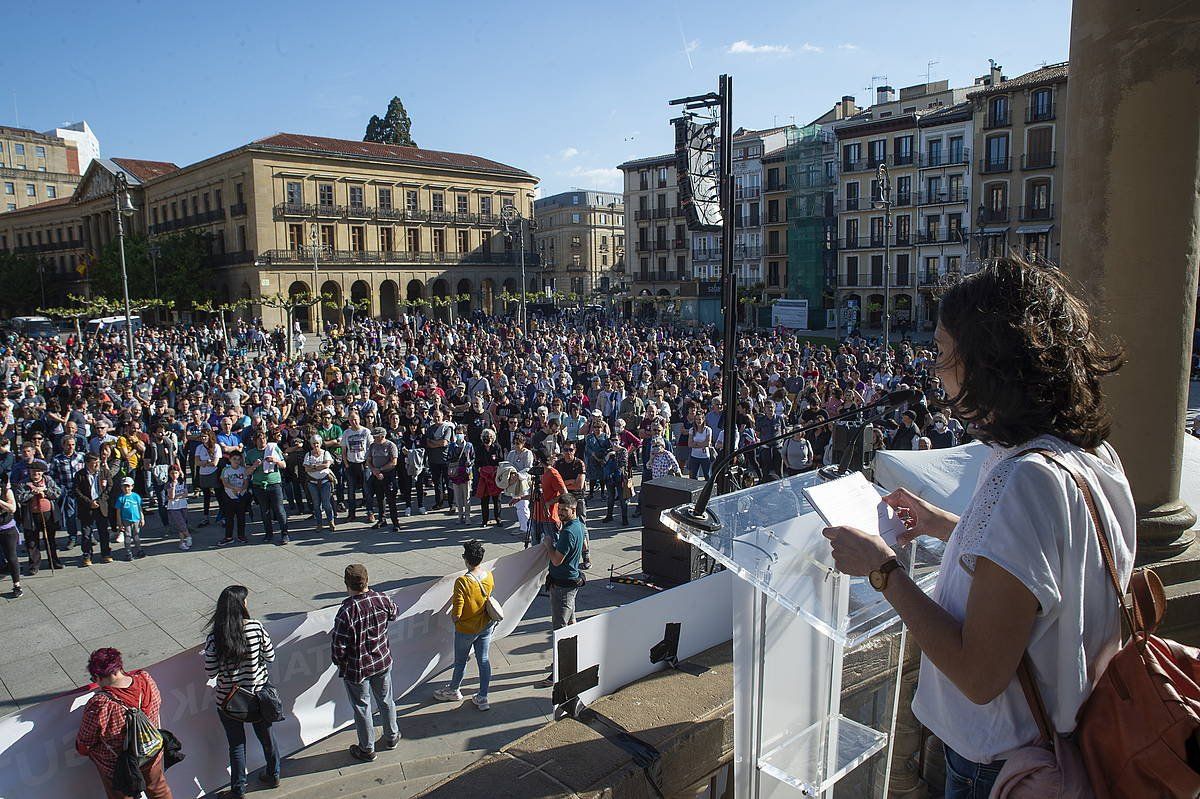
pixel 566 90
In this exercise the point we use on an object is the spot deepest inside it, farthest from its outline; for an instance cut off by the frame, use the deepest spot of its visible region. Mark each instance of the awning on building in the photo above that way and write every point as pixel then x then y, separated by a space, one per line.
pixel 992 231
pixel 1035 228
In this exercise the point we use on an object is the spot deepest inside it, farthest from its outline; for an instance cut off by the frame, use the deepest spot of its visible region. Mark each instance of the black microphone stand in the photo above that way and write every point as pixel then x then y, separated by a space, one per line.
pixel 842 468
pixel 700 516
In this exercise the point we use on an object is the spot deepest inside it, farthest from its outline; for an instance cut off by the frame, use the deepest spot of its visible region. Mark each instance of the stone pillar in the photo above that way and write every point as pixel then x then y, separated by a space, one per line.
pixel 1131 232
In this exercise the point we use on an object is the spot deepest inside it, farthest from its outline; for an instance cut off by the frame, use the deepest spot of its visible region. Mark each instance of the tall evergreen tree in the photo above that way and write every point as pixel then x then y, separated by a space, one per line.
pixel 394 128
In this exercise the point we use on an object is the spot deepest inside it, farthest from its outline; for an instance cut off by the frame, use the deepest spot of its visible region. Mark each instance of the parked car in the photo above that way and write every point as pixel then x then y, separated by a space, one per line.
pixel 111 324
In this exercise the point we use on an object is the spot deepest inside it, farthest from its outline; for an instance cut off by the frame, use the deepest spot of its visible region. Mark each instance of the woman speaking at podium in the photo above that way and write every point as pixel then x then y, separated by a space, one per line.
pixel 1022 571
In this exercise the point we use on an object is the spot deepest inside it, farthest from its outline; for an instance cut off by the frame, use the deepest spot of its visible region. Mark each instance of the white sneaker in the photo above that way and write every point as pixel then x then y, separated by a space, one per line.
pixel 119 538
pixel 188 541
pixel 183 546
pixel 481 702
pixel 446 695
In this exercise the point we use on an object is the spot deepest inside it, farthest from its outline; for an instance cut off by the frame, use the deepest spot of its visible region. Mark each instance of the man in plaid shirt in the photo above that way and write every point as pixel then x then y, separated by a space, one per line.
pixel 63 468
pixel 364 659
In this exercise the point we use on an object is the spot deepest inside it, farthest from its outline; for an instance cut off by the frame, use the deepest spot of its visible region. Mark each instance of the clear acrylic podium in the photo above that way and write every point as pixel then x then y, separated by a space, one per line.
pixel 817 654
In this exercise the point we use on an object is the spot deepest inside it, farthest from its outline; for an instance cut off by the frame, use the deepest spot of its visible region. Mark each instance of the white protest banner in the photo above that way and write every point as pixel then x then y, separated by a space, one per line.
pixel 620 639
pixel 37 745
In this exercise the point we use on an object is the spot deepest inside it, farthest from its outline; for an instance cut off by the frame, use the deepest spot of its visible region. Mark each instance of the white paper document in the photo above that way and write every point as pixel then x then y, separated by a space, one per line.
pixel 851 501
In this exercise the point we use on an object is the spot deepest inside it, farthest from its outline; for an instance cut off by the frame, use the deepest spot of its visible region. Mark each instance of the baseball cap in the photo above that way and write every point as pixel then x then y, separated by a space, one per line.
pixel 356 576
pixel 379 432
pixel 128 481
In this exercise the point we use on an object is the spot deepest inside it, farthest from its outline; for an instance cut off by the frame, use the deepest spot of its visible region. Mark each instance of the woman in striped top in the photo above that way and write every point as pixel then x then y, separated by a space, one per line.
pixel 237 652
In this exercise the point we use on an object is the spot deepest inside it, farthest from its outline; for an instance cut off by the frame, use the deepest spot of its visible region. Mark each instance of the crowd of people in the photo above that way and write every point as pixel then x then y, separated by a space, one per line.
pixel 403 418
pixel 208 439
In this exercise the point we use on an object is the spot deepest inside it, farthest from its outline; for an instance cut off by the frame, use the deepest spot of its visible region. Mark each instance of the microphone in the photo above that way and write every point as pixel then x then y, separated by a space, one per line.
pixel 843 467
pixel 700 516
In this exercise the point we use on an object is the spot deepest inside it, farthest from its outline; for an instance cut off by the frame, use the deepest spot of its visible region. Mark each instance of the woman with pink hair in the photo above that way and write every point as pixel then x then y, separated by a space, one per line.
pixel 102 731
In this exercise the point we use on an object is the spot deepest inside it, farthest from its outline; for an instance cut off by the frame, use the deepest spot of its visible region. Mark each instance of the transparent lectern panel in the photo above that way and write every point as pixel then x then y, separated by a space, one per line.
pixel 770 536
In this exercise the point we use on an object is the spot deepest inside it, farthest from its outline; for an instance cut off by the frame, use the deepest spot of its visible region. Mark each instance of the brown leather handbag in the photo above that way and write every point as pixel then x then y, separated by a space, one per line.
pixel 1139 730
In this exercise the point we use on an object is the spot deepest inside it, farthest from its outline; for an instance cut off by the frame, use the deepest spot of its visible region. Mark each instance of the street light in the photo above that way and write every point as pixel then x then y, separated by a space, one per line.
pixel 512 218
pixel 122 207
pixel 315 238
pixel 885 202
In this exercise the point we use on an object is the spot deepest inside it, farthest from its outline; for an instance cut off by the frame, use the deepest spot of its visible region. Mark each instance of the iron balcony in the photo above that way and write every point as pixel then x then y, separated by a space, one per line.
pixel 304 255
pixel 989 166
pixel 1030 213
pixel 987 215
pixel 934 160
pixel 1043 113
pixel 942 197
pixel 387 214
pixel 1001 120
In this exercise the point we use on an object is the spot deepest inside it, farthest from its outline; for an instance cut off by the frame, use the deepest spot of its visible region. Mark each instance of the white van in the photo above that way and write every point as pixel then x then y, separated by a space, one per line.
pixel 33 326
pixel 111 324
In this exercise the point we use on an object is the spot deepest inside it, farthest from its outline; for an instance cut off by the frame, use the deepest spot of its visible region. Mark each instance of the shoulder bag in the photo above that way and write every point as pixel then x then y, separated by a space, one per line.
pixel 490 606
pixel 1138 733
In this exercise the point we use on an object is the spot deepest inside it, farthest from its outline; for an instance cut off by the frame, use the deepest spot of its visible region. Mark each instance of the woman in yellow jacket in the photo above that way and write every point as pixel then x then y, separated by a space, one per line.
pixel 473 627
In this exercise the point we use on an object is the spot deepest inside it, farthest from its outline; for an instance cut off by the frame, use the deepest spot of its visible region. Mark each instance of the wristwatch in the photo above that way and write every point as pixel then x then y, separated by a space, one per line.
pixel 879 577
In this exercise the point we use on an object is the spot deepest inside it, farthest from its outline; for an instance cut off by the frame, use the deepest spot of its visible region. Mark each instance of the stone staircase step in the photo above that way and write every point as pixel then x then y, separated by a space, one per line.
pixel 383 778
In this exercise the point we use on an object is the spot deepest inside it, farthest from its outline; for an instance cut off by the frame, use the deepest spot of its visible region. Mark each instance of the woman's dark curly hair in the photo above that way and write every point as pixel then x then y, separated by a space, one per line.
pixel 473 552
pixel 1031 360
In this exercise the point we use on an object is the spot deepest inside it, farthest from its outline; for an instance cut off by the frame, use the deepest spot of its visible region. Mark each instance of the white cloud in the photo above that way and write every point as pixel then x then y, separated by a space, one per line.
pixel 743 47
pixel 692 46
pixel 568 153
pixel 596 177
pixel 811 48
pixel 848 46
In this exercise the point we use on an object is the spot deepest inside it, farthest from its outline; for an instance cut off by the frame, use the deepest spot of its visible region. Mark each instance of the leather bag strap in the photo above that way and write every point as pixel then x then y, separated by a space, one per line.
pixel 1037 707
pixel 1034 697
pixel 1101 531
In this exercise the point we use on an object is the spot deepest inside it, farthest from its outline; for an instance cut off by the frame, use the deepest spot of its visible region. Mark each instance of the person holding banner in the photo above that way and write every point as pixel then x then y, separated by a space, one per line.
pixel 102 730
pixel 566 547
pixel 473 626
pixel 237 652
pixel 363 658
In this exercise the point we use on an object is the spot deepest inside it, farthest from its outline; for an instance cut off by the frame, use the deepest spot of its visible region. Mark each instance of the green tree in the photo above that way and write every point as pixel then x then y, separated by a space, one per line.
pixel 183 276
pixel 394 128
pixel 19 277
pixel 178 271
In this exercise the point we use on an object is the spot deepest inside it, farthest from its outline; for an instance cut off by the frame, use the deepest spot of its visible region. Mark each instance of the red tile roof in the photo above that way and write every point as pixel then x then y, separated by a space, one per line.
pixel 409 155
pixel 145 170
pixel 1051 73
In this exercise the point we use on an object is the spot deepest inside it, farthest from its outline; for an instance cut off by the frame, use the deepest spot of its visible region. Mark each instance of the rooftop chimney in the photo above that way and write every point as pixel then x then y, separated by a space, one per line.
pixel 996 75
pixel 847 107
pixel 885 94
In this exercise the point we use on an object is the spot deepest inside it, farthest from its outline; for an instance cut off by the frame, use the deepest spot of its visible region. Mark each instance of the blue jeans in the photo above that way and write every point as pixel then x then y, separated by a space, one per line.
pixel 322 500
pixel 235 733
pixel 270 502
pixel 701 466
pixel 969 780
pixel 380 686
pixel 481 642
